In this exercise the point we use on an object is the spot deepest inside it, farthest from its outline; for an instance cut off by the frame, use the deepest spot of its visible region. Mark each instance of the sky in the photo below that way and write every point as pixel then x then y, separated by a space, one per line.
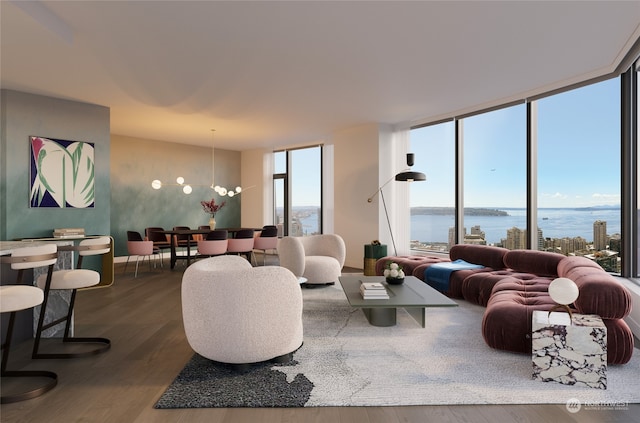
pixel 578 154
pixel 305 176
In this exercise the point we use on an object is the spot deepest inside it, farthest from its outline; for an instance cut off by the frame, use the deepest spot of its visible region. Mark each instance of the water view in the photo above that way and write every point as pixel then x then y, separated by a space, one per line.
pixel 554 223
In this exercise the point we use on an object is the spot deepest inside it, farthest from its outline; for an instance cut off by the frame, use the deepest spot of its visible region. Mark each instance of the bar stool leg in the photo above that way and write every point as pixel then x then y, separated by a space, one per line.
pixel 103 343
pixel 36 389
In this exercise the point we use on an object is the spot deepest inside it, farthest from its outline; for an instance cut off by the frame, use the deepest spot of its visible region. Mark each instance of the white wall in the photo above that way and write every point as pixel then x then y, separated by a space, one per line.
pixel 257 197
pixel 355 179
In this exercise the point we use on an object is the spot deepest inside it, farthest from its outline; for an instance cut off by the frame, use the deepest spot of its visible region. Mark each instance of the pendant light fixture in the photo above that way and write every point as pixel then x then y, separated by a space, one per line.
pixel 188 188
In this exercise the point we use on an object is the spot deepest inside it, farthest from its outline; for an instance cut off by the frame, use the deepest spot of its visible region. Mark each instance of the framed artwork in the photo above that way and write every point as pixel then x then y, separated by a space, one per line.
pixel 62 173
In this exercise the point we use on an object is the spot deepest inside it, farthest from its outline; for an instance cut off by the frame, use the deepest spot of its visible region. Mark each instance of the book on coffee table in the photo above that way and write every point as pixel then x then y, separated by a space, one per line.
pixel 373 291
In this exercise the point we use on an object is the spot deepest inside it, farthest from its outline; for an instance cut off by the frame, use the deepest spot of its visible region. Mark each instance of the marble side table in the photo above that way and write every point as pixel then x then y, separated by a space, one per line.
pixel 569 351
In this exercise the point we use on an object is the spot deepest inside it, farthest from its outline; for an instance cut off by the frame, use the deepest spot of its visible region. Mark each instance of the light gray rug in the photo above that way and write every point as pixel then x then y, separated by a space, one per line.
pixel 350 363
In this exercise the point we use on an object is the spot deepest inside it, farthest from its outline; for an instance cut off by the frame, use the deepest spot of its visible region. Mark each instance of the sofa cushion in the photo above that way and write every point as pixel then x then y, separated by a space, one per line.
pixel 619 341
pixel 321 269
pixel 479 254
pixel 525 282
pixel 598 292
pixel 572 263
pixel 601 294
pixel 506 324
pixel 408 263
pixel 531 261
pixel 457 280
pixel 479 287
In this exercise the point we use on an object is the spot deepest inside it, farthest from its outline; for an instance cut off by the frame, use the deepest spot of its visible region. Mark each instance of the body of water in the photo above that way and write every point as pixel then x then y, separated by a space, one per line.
pixel 555 223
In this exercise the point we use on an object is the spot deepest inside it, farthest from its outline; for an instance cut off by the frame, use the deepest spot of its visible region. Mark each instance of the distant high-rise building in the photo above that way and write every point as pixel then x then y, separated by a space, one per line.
pixel 477 236
pixel 615 242
pixel 516 239
pixel 296 227
pixel 452 235
pixel 599 235
pixel 540 240
pixel 474 239
pixel 476 230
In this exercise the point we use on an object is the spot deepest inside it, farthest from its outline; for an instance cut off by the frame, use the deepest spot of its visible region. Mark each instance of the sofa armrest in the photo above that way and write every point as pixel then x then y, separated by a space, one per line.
pixel 291 255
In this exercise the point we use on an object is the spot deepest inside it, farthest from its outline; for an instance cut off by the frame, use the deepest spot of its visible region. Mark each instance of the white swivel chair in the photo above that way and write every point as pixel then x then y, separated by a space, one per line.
pixel 72 279
pixel 14 298
pixel 238 314
pixel 318 258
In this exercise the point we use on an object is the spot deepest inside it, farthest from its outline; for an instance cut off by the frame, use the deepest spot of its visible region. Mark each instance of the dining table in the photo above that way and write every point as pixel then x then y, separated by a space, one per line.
pixel 173 233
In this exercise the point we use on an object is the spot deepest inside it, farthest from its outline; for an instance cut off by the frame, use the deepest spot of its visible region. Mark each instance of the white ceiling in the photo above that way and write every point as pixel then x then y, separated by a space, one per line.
pixel 270 74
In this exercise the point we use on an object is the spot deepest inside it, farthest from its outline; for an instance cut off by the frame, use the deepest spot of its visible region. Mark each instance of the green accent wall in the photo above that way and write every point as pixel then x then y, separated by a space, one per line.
pixel 124 169
pixel 24 115
pixel 135 205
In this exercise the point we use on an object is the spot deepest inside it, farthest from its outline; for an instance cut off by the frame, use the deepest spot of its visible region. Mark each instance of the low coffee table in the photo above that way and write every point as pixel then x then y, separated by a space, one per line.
pixel 413 295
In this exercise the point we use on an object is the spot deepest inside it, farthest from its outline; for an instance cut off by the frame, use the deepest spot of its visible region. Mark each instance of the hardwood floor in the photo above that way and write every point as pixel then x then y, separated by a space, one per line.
pixel 142 317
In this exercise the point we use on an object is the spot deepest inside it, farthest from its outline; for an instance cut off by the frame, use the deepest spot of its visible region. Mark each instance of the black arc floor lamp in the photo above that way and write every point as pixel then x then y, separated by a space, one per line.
pixel 406 175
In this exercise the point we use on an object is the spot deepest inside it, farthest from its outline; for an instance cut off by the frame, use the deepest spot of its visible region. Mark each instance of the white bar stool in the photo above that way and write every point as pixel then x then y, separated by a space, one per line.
pixel 14 298
pixel 72 279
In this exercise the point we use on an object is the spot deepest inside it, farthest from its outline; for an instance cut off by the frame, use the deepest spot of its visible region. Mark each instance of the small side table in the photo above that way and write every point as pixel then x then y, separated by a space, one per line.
pixel 569 351
pixel 371 254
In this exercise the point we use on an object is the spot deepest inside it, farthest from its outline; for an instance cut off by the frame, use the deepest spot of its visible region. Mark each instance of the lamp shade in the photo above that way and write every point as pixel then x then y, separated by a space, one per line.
pixel 410 176
pixel 563 291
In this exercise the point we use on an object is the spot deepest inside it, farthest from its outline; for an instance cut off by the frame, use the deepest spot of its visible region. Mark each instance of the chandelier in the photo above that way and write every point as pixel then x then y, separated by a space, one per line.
pixel 188 188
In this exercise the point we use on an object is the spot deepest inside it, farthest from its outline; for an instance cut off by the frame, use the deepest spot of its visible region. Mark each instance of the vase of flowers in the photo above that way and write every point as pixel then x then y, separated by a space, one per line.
pixel 393 273
pixel 212 208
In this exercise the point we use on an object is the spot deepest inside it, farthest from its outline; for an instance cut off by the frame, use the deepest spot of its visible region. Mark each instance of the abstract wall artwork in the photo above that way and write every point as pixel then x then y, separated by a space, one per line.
pixel 62 173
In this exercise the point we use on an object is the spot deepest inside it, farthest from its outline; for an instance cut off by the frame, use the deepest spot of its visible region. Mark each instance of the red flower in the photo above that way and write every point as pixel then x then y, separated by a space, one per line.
pixel 211 207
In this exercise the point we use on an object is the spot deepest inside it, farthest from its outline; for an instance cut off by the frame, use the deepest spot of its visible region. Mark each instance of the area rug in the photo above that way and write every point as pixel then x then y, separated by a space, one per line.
pixel 346 362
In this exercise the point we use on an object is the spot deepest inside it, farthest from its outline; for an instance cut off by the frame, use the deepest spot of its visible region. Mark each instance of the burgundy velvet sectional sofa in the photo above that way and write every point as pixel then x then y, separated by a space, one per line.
pixel 511 284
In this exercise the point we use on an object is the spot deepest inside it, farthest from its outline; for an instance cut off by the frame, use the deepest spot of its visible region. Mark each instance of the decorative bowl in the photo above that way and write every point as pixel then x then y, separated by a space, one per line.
pixel 395 281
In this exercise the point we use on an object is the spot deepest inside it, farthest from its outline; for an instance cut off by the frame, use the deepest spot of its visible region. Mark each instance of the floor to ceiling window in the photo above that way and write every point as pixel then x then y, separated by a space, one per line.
pixel 280 212
pixel 433 201
pixel 576 186
pixel 579 173
pixel 495 178
pixel 297 191
pixel 637 146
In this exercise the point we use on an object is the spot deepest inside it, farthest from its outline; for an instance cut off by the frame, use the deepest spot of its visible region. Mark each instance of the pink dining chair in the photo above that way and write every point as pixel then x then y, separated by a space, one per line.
pixel 215 244
pixel 242 243
pixel 136 246
pixel 268 240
